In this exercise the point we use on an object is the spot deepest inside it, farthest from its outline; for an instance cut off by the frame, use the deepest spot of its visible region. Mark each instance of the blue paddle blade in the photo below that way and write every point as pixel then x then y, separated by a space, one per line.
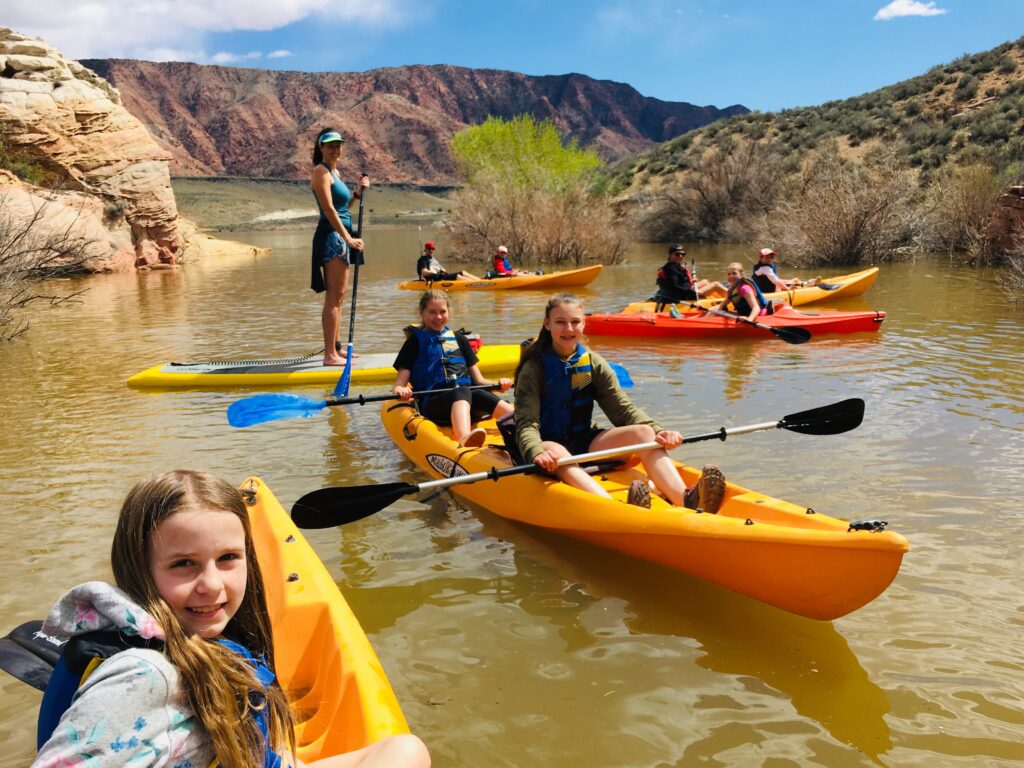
pixel 622 375
pixel 341 388
pixel 270 407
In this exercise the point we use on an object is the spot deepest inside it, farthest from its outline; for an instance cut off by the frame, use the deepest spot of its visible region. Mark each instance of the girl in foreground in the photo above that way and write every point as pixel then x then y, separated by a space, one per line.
pixel 187 581
pixel 433 357
pixel 557 383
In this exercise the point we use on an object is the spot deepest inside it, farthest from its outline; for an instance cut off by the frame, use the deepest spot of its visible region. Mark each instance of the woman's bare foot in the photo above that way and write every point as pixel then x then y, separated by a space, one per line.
pixel 334 360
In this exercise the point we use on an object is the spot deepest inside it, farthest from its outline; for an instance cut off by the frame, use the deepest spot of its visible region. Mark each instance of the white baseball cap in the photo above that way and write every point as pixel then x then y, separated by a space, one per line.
pixel 502 249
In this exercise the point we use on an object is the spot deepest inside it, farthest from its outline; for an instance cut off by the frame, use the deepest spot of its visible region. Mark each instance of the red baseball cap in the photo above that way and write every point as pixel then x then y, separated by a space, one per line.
pixel 429 244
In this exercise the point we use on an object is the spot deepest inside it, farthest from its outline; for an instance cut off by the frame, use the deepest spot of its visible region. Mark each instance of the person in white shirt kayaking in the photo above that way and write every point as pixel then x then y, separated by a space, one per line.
pixel 766 274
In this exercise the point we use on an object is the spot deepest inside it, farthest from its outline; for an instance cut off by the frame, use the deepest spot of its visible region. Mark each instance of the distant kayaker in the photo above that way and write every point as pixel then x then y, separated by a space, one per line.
pixel 433 357
pixel 429 268
pixel 675 283
pixel 188 646
pixel 333 241
pixel 766 275
pixel 502 267
pixel 557 383
pixel 742 295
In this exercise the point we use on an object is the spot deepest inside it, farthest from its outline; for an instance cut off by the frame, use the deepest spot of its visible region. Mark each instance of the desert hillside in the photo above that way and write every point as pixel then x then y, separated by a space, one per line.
pixel 399 121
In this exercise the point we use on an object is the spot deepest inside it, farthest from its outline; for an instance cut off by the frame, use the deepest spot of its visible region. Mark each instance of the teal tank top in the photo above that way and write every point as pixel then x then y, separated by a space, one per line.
pixel 340 198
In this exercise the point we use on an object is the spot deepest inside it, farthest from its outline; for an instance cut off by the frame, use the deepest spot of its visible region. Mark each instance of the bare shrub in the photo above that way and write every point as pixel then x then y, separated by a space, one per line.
pixel 730 184
pixel 30 253
pixel 842 212
pixel 959 203
pixel 568 226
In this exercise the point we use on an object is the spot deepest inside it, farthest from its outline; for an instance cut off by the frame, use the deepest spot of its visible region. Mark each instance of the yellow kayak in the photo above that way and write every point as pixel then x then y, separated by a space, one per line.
pixel 774 551
pixel 566 279
pixel 495 360
pixel 340 695
pixel 830 288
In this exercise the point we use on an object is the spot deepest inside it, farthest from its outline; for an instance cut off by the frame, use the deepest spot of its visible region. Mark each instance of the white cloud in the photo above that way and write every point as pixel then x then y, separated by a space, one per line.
pixel 279 54
pixel 225 57
pixel 898 8
pixel 129 28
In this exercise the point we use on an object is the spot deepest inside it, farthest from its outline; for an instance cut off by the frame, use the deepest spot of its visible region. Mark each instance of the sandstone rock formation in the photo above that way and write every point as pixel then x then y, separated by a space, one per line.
pixel 398 121
pixel 1007 222
pixel 115 177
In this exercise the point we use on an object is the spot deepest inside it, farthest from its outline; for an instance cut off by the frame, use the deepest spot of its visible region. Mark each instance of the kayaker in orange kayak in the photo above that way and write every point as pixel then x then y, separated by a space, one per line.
pixel 433 357
pixel 429 268
pixel 557 383
pixel 766 274
pixel 502 267
pixel 742 295
pixel 185 646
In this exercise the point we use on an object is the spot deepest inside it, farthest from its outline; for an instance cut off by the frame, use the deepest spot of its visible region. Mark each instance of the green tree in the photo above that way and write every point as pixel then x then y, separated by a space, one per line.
pixel 534 192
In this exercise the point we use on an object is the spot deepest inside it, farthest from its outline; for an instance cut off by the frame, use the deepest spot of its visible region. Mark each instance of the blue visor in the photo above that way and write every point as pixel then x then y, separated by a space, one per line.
pixel 331 136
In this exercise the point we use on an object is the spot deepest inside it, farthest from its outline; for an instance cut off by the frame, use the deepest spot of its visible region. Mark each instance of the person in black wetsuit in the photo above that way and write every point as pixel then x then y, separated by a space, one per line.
pixel 675 283
pixel 428 268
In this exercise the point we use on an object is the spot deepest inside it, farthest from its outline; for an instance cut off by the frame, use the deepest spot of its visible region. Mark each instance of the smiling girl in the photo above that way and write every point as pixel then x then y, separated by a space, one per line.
pixel 434 357
pixel 557 384
pixel 194 682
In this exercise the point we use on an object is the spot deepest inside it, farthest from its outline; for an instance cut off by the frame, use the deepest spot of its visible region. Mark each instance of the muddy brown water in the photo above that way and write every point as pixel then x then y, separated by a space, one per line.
pixel 510 647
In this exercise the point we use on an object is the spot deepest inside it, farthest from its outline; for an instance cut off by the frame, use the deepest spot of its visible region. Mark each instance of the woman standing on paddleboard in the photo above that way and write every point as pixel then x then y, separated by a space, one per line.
pixel 333 241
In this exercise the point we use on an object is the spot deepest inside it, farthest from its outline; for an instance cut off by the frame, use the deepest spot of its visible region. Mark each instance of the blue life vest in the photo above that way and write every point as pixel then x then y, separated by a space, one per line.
pixel 567 403
pixel 84 653
pixel 739 304
pixel 439 362
pixel 763 282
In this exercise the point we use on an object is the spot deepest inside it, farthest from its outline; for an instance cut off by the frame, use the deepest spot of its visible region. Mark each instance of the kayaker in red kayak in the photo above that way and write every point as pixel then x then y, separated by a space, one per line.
pixel 185 646
pixel 675 283
pixel 429 268
pixel 766 274
pixel 742 295
pixel 434 357
pixel 557 383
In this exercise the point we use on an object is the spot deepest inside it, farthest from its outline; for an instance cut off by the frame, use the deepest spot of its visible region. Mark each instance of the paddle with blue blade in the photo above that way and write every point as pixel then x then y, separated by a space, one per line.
pixel 272 406
pixel 341 388
pixel 329 507
pixel 258 409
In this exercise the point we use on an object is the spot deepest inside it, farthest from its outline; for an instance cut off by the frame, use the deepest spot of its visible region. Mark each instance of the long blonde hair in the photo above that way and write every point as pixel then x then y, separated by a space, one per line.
pixel 543 341
pixel 217 681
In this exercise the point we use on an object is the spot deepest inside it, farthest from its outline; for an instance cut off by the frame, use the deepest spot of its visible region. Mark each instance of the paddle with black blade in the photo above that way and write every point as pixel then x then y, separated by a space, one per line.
pixel 272 406
pixel 341 389
pixel 792 335
pixel 329 507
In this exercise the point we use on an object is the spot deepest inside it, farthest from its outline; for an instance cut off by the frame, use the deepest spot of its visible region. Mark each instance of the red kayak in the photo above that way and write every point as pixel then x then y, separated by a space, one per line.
pixel 708 326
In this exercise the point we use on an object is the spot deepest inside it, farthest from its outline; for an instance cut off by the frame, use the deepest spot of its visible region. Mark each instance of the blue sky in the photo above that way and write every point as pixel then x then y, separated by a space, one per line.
pixel 764 54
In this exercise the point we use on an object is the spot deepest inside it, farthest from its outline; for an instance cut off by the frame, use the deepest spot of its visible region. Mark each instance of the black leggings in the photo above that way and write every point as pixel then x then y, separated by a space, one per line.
pixel 438 408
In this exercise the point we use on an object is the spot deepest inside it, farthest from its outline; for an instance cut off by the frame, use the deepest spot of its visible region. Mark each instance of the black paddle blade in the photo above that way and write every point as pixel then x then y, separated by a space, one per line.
pixel 330 507
pixel 792 335
pixel 827 420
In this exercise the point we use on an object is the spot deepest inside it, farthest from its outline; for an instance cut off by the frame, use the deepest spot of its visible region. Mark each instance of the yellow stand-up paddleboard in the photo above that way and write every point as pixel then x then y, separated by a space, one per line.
pixel 340 695
pixel 495 360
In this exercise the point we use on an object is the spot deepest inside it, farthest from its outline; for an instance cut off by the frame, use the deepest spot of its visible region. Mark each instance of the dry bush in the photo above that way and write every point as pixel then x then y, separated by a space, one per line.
pixel 841 212
pixel 731 184
pixel 565 227
pixel 960 201
pixel 30 253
